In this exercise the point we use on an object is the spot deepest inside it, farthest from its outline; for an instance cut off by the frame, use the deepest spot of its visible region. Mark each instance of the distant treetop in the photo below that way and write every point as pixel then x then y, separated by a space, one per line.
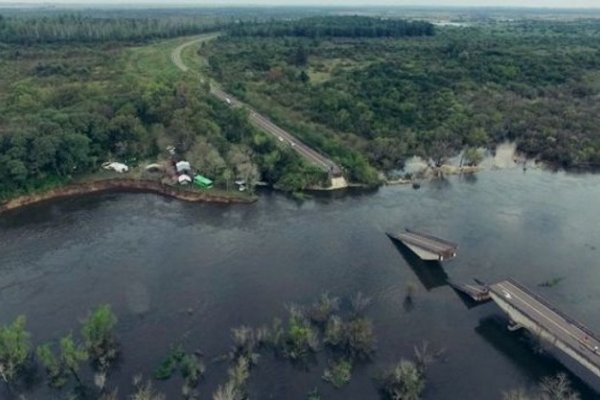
pixel 335 26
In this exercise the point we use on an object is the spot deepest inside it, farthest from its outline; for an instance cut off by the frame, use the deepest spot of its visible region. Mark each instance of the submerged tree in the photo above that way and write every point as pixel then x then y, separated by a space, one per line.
pixel 190 365
pixel 314 395
pixel 359 303
pixel 235 387
pixel 300 338
pixel 323 309
pixel 192 370
pixel 556 387
pixel 405 381
pixel 354 339
pixel 517 394
pixel 99 337
pixel 15 347
pixel 66 363
pixel 144 390
pixel 338 373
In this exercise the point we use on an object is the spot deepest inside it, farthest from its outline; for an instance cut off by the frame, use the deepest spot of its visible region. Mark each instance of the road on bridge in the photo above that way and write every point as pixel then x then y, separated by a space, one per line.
pixel 572 333
pixel 264 123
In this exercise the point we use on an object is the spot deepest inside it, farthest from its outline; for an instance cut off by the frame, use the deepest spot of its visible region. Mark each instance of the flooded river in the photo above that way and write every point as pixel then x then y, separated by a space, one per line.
pixel 189 272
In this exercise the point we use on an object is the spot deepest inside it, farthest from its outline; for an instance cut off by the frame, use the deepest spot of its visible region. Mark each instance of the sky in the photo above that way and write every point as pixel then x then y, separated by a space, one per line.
pixel 459 3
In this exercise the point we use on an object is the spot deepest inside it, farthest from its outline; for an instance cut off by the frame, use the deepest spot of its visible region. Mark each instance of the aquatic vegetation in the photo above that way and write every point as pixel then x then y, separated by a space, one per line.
pixel 517 394
pixel 314 395
pixel 300 338
pixel 192 370
pixel 227 392
pixel 405 381
pixel 320 312
pixel 114 395
pixel 349 338
pixel 338 373
pixel 66 364
pixel 355 338
pixel 246 342
pixel 15 347
pixel 169 364
pixel 235 388
pixel 360 303
pixel 144 390
pixel 556 387
pixel 276 334
pixel 99 337
pixel 425 355
pixel 334 332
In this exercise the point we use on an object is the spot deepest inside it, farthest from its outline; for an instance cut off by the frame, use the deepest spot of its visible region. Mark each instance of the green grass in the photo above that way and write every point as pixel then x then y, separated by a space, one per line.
pixel 152 62
pixel 193 60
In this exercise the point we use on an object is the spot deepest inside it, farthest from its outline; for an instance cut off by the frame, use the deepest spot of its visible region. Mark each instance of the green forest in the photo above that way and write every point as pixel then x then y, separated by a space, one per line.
pixel 86 28
pixel 65 108
pixel 534 82
pixel 334 26
pixel 79 89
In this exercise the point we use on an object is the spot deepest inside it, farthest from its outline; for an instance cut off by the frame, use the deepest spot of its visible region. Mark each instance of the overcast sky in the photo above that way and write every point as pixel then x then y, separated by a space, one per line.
pixel 505 3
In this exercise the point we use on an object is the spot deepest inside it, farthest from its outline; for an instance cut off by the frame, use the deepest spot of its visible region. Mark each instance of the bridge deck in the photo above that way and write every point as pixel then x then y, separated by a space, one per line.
pixel 572 333
pixel 476 292
pixel 444 249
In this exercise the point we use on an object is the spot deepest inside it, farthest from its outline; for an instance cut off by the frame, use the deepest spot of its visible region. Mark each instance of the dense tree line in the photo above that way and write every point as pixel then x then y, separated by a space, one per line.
pixel 531 82
pixel 64 110
pixel 87 28
pixel 334 26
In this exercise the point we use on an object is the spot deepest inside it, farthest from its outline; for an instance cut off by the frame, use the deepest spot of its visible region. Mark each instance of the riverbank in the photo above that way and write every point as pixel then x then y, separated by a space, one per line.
pixel 124 185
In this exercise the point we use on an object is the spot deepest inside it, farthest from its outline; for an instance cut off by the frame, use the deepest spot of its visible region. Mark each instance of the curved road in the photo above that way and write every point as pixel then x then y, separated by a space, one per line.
pixel 265 124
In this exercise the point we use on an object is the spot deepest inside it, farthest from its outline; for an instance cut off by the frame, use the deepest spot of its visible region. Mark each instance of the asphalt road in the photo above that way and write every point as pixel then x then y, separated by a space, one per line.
pixel 260 121
pixel 282 135
pixel 426 243
pixel 570 332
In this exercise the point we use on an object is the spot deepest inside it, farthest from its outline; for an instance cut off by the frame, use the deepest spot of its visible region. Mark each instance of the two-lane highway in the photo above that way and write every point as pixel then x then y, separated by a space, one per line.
pixel 265 124
pixel 544 316
pixel 282 135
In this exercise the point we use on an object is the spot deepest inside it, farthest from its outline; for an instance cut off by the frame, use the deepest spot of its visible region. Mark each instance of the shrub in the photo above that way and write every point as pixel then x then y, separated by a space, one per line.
pixel 338 373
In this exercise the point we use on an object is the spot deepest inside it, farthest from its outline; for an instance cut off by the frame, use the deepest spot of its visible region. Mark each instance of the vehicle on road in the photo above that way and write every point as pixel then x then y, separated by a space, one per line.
pixel 280 139
pixel 228 100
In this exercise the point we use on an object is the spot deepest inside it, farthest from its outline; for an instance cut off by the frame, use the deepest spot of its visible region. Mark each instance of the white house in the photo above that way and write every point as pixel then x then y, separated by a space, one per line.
pixel 183 167
pixel 184 179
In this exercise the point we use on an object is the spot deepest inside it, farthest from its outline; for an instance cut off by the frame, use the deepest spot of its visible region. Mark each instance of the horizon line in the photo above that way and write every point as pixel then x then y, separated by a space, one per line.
pixel 158 4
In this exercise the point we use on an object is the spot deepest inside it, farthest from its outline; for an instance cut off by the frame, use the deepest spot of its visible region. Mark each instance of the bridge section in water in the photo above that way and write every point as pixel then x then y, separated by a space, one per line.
pixel 532 312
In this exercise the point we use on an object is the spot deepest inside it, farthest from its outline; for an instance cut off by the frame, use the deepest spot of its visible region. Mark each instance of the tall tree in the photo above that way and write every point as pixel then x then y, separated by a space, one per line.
pixel 15 346
pixel 99 337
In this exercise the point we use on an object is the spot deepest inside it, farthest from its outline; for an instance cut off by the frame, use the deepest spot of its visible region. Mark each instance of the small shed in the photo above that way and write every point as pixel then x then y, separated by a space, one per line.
pixel 184 179
pixel 183 167
pixel 203 182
